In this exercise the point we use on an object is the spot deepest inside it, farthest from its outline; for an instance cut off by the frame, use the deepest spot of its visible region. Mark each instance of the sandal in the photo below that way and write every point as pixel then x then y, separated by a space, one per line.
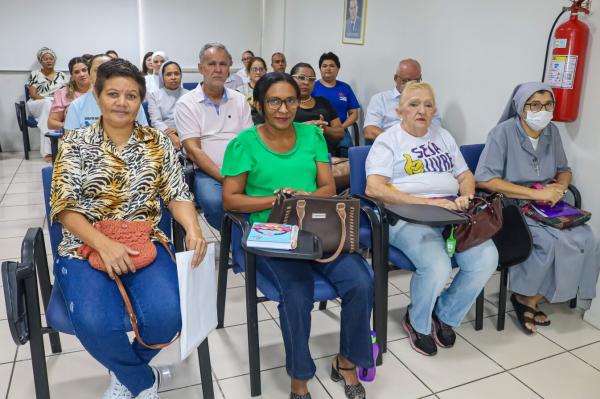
pixel 356 391
pixel 296 396
pixel 521 309
pixel 539 313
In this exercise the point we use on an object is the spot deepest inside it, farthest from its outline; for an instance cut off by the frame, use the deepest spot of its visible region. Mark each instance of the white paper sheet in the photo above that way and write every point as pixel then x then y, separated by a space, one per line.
pixel 198 299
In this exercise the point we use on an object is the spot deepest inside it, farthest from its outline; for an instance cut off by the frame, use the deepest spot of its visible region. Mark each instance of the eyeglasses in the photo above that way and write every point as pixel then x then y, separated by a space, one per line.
pixel 275 102
pixel 304 78
pixel 244 59
pixel 537 106
pixel 257 69
pixel 405 81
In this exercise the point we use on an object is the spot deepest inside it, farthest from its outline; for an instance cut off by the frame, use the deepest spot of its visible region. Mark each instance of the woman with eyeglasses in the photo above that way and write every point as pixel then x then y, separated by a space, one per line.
pixel 523 150
pixel 317 110
pixel 281 154
pixel 255 69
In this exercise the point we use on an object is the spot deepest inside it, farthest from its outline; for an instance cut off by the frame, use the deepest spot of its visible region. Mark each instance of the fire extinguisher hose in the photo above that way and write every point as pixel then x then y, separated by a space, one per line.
pixel 550 40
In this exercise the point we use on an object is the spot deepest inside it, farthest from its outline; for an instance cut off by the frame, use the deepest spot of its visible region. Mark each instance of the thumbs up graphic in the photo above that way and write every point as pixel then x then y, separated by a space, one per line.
pixel 411 167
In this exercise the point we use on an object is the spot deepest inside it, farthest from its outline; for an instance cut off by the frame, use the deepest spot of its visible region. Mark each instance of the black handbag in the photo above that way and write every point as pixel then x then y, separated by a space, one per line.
pixel 335 220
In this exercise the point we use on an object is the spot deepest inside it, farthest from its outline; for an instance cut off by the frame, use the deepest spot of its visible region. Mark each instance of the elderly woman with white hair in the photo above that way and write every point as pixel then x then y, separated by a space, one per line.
pixel 525 149
pixel 42 85
pixel 152 81
pixel 415 162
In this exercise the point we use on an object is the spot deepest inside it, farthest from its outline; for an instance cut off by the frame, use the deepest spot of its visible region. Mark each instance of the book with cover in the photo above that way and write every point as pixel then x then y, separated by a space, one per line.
pixel 560 209
pixel 273 236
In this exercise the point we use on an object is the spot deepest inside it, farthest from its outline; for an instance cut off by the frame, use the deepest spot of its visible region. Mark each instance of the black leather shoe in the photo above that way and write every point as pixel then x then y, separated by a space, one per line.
pixel 443 334
pixel 296 396
pixel 420 342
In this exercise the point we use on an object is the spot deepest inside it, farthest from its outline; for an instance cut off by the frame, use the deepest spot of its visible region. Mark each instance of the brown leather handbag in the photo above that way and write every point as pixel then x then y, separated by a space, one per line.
pixel 485 220
pixel 136 235
pixel 335 220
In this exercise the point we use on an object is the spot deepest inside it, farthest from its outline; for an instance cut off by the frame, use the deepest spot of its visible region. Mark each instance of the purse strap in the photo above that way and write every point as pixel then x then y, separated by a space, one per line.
pixel 131 313
pixel 340 208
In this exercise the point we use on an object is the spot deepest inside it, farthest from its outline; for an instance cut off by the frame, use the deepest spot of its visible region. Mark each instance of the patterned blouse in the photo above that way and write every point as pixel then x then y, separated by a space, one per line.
pixel 93 178
pixel 45 87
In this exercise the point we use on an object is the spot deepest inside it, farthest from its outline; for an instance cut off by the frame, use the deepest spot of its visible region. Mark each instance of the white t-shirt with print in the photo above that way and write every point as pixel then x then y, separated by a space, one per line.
pixel 424 166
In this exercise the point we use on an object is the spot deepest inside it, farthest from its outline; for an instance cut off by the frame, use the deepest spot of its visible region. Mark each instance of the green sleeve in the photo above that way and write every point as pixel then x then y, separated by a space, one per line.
pixel 321 152
pixel 237 159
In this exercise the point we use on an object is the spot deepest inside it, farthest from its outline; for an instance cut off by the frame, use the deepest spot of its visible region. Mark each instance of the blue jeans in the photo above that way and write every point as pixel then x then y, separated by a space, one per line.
pixel 294 279
pixel 209 195
pixel 100 321
pixel 342 146
pixel 425 247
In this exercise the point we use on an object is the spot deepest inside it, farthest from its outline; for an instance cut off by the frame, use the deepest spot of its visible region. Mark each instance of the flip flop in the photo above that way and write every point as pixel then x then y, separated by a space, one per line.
pixel 539 313
pixel 521 309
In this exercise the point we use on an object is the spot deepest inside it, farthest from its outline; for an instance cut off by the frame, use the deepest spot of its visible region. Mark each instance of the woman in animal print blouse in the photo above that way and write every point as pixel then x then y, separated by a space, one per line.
pixel 118 169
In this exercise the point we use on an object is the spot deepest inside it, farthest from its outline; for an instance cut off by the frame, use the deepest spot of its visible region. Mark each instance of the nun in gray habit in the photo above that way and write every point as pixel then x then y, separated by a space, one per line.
pixel 161 104
pixel 563 263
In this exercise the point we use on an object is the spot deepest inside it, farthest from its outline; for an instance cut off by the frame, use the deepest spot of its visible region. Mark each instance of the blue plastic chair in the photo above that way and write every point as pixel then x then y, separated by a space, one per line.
pixel 190 85
pixel 390 256
pixel 33 268
pixel 233 227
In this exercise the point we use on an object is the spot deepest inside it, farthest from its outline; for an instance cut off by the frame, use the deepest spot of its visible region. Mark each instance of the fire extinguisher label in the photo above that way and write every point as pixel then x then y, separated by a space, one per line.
pixel 560 43
pixel 562 71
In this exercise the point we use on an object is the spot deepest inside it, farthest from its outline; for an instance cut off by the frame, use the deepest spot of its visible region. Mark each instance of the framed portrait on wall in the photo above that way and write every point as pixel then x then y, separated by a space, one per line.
pixel 355 18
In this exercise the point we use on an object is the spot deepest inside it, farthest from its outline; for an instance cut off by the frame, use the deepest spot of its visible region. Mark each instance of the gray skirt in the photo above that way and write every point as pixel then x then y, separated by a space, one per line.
pixel 562 265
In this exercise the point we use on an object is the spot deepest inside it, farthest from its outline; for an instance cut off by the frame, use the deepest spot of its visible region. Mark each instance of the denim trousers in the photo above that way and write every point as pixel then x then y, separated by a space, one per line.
pixel 426 248
pixel 209 195
pixel 100 320
pixel 350 276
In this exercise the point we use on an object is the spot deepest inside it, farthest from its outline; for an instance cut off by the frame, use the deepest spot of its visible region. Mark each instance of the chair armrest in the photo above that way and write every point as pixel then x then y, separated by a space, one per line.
pixel 372 202
pixel 239 219
pixel 576 195
pixel 430 215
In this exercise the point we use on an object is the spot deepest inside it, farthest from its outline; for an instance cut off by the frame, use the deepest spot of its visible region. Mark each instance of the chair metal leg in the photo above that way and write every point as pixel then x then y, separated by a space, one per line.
pixel 380 308
pixel 322 305
pixel 205 370
pixel 502 299
pixel 573 303
pixel 252 315
pixel 36 341
pixel 26 145
pixel 479 312
pixel 223 269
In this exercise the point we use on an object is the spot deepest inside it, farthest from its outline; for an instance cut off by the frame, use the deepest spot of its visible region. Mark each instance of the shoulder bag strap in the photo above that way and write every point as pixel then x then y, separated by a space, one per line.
pixel 133 319
pixel 340 207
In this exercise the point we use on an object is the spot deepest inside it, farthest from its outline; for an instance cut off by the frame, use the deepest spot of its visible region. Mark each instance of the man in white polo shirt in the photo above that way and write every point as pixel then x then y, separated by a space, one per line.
pixel 381 112
pixel 207 119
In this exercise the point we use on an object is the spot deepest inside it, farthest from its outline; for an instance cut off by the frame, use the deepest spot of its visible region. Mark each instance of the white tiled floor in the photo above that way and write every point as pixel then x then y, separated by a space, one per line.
pixel 562 361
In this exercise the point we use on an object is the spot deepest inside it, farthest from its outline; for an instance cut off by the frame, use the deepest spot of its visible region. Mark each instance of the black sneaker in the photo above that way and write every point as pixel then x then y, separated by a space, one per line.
pixel 420 342
pixel 443 334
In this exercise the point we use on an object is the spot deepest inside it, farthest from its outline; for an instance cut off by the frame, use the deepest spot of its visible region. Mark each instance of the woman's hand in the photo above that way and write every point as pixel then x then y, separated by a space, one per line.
pixel 462 202
pixel 194 241
pixel 291 191
pixel 320 123
pixel 443 203
pixel 551 194
pixel 116 257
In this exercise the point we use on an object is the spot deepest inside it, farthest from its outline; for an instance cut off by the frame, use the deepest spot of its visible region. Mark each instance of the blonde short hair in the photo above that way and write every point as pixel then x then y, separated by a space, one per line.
pixel 414 85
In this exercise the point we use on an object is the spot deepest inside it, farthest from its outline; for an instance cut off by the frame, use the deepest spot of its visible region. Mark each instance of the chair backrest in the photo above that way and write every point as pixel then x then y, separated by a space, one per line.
pixel 55 229
pixel 27 96
pixel 471 154
pixel 358 176
pixel 145 106
pixel 190 85
pixel 21 118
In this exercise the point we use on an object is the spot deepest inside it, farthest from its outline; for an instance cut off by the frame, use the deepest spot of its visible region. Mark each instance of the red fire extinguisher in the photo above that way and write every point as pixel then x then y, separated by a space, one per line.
pixel 568 63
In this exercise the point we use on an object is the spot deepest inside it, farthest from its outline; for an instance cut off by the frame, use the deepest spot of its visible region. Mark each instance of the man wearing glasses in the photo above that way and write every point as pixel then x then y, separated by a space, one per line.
pixel 381 112
pixel 207 119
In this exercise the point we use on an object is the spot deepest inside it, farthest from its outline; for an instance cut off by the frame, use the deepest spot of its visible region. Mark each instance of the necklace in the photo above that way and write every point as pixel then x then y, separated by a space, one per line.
pixel 307 100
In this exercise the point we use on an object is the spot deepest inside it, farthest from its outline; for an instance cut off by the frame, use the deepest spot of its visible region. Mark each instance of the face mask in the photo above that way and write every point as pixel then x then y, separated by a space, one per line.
pixel 538 120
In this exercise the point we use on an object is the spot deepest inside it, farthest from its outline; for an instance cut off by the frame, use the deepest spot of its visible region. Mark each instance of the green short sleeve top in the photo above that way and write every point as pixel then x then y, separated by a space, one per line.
pixel 269 170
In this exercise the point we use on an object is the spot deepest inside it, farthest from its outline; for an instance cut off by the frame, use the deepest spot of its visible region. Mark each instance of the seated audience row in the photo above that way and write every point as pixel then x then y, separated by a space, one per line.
pixel 241 164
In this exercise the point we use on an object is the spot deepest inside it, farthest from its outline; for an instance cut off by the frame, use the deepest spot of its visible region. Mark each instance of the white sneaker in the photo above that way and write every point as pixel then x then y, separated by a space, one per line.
pixel 152 392
pixel 116 390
